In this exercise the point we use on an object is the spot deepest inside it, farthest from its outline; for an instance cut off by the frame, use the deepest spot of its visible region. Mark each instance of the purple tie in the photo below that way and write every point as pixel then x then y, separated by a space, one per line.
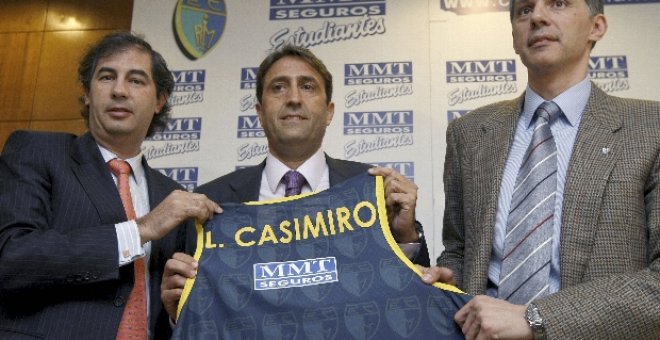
pixel 294 182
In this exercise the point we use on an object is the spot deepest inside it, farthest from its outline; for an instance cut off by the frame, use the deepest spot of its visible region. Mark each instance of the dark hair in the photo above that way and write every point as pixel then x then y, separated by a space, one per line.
pixel 595 7
pixel 119 42
pixel 298 52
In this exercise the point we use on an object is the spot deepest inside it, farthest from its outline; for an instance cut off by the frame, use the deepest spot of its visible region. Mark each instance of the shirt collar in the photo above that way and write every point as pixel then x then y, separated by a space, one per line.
pixel 572 102
pixel 313 168
pixel 135 162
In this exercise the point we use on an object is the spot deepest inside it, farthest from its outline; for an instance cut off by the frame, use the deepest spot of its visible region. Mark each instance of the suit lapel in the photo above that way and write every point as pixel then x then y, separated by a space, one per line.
pixel 96 180
pixel 246 187
pixel 337 171
pixel 490 152
pixel 157 189
pixel 597 147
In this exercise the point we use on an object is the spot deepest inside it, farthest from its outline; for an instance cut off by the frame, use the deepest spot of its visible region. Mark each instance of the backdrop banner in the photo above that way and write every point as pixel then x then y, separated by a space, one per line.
pixel 402 71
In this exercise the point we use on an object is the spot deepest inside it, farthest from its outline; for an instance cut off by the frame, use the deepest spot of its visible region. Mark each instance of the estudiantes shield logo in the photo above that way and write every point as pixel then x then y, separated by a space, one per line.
pixel 198 26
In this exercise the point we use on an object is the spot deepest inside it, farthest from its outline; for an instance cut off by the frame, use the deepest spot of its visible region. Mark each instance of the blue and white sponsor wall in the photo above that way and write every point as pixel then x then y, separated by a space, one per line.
pixel 402 70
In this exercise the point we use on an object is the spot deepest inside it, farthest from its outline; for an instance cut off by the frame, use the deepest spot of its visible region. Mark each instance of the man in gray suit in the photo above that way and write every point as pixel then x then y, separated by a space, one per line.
pixel 602 272
pixel 69 247
pixel 294 89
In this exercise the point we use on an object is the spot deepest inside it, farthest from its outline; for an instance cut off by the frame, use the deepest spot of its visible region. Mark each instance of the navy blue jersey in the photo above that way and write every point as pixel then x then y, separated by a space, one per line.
pixel 314 266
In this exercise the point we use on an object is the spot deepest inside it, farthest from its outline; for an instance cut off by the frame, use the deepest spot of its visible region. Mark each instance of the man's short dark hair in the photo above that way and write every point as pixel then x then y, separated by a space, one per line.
pixel 119 42
pixel 298 52
pixel 595 7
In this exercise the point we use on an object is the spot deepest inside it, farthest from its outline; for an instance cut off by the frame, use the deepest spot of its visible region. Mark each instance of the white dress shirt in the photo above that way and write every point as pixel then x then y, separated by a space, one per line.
pixel 130 247
pixel 315 170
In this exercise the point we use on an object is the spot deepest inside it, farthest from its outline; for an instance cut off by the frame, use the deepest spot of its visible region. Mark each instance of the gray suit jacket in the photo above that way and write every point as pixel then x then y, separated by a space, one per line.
pixel 59 271
pixel 610 234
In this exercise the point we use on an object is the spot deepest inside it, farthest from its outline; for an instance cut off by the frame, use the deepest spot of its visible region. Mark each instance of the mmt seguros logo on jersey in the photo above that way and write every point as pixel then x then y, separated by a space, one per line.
pixel 198 25
pixel 312 9
pixel 290 274
pixel 181 135
pixel 188 87
pixel 389 80
pixel 474 79
pixel 610 73
pixel 186 176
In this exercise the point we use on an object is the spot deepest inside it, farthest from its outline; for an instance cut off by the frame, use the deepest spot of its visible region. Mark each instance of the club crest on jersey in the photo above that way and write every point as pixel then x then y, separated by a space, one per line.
pixel 237 286
pixel 403 315
pixel 357 278
pixel 393 275
pixel 313 247
pixel 362 319
pixel 323 321
pixel 242 327
pixel 198 25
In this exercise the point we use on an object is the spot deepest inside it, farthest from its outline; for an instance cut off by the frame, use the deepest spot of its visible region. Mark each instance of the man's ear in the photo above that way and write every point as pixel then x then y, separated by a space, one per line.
pixel 599 28
pixel 162 100
pixel 330 111
pixel 515 49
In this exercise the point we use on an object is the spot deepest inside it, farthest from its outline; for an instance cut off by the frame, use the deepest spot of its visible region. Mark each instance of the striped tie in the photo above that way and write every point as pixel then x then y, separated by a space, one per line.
pixel 528 242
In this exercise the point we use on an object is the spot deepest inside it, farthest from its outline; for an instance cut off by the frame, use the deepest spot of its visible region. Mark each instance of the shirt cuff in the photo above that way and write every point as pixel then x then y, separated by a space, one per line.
pixel 128 242
pixel 410 249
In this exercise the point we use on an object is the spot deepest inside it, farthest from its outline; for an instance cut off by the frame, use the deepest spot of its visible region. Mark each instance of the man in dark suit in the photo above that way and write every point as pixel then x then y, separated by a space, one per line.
pixel 601 275
pixel 67 248
pixel 294 90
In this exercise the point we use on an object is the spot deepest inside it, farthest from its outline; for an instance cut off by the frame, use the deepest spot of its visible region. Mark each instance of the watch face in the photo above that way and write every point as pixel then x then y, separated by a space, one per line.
pixel 535 321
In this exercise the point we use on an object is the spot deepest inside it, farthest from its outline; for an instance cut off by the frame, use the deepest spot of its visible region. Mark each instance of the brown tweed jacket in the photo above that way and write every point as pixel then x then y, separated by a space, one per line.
pixel 610 236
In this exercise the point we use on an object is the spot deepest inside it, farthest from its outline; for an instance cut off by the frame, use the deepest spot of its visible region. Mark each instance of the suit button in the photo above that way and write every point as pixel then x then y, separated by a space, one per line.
pixel 119 301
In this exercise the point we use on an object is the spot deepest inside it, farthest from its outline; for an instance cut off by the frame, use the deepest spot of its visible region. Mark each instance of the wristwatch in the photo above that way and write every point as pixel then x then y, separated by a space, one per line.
pixel 535 321
pixel 420 232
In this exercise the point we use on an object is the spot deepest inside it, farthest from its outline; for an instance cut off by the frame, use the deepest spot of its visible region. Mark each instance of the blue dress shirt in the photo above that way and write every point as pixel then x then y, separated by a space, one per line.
pixel 572 103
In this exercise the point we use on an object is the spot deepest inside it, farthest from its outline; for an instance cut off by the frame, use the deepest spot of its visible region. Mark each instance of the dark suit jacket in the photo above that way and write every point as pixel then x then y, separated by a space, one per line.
pixel 610 234
pixel 59 274
pixel 243 185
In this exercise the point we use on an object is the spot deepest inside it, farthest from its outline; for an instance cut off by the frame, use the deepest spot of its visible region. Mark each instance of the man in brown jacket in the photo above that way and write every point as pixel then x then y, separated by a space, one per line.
pixel 600 276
